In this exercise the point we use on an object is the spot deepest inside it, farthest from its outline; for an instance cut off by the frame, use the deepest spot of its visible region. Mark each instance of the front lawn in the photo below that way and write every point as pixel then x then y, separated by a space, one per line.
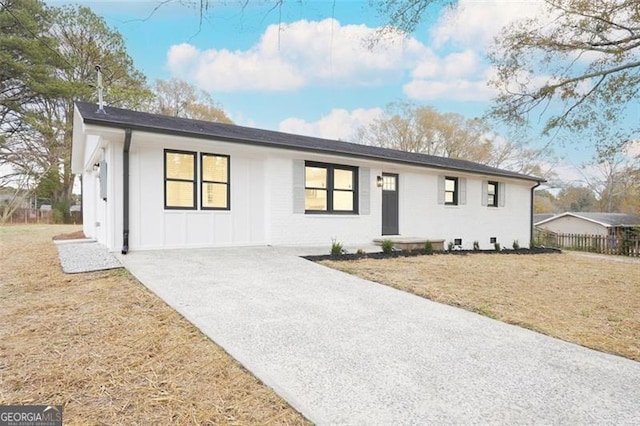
pixel 592 301
pixel 109 350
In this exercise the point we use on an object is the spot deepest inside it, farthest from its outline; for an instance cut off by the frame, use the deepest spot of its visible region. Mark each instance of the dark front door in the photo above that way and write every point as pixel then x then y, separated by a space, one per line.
pixel 389 204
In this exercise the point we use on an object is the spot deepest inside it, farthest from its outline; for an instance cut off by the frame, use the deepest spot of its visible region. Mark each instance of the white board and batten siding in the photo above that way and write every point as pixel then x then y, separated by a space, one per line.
pixel 267 201
pixel 153 227
pixel 102 191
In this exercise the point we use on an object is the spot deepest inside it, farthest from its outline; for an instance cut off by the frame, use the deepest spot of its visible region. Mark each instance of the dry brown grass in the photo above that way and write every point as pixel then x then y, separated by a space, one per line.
pixel 109 350
pixel 592 301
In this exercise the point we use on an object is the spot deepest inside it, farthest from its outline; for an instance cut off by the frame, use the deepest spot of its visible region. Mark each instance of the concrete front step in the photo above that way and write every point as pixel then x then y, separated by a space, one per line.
pixel 411 243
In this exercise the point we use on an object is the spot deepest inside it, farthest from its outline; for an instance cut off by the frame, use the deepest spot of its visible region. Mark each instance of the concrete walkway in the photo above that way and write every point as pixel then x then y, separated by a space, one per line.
pixel 345 351
pixel 78 256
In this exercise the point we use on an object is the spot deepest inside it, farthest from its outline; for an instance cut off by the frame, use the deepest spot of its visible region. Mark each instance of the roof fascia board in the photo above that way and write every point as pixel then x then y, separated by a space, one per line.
pixel 106 132
pixel 78 141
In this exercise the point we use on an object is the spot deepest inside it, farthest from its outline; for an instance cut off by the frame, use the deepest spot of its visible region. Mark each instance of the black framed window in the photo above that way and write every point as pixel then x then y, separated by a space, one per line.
pixel 214 177
pixel 179 180
pixel 330 188
pixel 451 191
pixel 492 194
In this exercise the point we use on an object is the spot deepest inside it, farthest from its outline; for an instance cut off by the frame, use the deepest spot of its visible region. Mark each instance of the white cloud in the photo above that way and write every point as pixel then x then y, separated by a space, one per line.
pixel 573 175
pixel 289 56
pixel 461 64
pixel 181 58
pixel 454 65
pixel 632 149
pixel 477 22
pixel 294 55
pixel 235 71
pixel 223 70
pixel 467 28
pixel 458 76
pixel 568 174
pixel 338 124
pixel 458 90
pixel 240 119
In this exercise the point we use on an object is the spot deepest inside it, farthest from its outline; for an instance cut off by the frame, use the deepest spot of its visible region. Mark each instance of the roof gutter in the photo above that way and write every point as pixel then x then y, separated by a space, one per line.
pixel 125 191
pixel 533 188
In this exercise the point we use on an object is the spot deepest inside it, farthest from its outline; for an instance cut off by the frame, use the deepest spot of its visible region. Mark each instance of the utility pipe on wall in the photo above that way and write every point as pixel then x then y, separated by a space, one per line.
pixel 531 231
pixel 125 191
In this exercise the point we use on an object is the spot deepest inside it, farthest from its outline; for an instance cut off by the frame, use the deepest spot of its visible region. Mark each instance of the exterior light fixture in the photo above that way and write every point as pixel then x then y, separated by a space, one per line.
pixel 379 181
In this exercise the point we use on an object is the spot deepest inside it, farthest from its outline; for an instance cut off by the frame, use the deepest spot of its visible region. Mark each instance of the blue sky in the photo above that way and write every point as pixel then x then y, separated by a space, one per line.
pixel 304 68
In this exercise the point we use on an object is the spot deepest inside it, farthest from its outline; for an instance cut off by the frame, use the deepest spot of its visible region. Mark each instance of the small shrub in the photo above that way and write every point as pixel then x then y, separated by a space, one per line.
pixel 336 248
pixel 625 246
pixel 450 246
pixel 387 246
pixel 428 246
pixel 496 246
pixel 476 246
pixel 360 251
pixel 516 245
pixel 60 211
pixel 58 216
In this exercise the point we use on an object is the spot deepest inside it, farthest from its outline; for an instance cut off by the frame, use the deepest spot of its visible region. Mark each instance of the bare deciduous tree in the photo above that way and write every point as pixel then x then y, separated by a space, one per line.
pixel 180 99
pixel 613 178
pixel 576 67
pixel 413 128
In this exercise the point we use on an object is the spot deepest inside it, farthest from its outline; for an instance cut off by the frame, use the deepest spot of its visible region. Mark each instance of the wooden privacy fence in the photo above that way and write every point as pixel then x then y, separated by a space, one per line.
pixel 28 215
pixel 624 245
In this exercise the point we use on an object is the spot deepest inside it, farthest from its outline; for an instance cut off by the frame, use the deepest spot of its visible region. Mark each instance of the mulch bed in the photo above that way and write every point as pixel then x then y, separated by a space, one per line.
pixel 412 253
pixel 78 235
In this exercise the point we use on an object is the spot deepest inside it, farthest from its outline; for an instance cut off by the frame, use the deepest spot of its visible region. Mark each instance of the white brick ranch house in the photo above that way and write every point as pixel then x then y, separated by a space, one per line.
pixel 155 182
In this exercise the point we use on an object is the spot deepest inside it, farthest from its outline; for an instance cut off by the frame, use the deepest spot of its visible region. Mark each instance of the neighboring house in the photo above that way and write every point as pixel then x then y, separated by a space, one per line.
pixel 606 224
pixel 539 217
pixel 8 196
pixel 153 182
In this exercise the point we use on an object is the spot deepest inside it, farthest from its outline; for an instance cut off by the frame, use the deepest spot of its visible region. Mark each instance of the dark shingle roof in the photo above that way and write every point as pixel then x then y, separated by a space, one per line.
pixel 542 216
pixel 610 219
pixel 123 118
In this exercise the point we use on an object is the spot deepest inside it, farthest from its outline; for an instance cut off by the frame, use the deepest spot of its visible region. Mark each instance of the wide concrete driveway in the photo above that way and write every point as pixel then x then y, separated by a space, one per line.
pixel 346 351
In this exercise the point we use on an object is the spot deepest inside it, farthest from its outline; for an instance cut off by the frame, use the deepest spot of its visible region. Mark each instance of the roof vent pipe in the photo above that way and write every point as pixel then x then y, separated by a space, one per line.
pixel 100 99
